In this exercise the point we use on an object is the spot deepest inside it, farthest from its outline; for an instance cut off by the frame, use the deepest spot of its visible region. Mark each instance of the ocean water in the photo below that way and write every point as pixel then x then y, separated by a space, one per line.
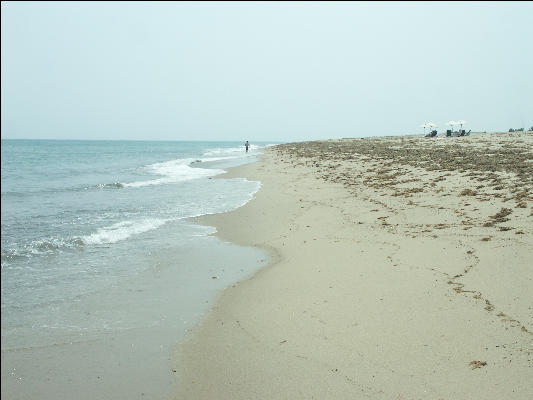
pixel 97 255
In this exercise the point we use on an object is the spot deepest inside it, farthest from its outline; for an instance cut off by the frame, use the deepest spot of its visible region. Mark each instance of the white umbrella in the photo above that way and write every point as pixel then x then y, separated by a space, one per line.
pixel 451 123
pixel 426 125
pixel 461 122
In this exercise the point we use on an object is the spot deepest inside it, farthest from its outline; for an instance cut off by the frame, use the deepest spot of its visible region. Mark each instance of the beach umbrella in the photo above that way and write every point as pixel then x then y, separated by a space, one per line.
pixel 461 122
pixel 431 125
pixel 424 126
pixel 451 123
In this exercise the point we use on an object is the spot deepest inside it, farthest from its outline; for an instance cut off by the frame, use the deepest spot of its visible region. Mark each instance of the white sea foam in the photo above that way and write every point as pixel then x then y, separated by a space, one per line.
pixel 39 247
pixel 251 194
pixel 230 151
pixel 175 171
pixel 227 151
pixel 114 185
pixel 207 159
pixel 122 230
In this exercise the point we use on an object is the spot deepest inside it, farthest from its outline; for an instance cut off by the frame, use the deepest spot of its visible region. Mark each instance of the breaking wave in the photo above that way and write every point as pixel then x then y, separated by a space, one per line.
pixel 122 230
pixel 176 171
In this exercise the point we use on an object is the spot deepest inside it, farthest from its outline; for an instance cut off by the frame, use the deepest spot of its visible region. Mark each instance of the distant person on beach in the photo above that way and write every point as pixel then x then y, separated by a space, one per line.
pixel 247 145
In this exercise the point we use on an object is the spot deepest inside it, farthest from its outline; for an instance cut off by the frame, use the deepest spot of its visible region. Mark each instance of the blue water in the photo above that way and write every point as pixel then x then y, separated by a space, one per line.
pixel 82 219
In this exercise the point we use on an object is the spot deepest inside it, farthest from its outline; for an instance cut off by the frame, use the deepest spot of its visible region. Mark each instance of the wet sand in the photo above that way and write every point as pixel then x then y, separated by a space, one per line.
pixel 401 268
pixel 135 362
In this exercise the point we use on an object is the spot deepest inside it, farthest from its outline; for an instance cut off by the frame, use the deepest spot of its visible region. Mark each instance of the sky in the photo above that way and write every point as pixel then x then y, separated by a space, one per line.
pixel 262 71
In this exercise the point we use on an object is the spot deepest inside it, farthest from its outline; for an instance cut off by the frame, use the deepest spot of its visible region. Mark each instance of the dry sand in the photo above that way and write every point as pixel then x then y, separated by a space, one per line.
pixel 402 268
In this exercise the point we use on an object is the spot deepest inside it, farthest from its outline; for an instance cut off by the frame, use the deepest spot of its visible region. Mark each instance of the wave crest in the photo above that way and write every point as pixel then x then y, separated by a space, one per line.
pixel 41 247
pixel 121 231
pixel 175 171
pixel 114 185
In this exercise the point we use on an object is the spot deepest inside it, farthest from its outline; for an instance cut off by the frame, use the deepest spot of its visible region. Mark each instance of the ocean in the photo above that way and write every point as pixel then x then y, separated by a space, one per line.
pixel 102 273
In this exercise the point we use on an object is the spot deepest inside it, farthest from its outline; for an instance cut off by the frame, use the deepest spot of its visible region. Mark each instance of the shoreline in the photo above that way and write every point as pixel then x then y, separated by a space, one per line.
pixel 389 279
pixel 118 340
pixel 101 364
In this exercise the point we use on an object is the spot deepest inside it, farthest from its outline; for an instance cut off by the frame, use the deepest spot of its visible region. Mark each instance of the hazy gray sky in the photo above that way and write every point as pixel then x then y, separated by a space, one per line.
pixel 273 71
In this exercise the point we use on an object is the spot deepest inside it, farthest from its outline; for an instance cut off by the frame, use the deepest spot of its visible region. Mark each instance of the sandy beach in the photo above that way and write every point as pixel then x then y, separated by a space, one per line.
pixel 401 268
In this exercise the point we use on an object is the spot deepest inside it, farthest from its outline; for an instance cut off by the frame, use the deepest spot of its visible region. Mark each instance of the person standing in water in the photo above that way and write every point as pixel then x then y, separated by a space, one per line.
pixel 247 145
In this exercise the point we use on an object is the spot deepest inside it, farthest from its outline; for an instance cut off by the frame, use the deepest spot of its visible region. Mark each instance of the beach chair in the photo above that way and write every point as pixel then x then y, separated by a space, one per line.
pixel 448 132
